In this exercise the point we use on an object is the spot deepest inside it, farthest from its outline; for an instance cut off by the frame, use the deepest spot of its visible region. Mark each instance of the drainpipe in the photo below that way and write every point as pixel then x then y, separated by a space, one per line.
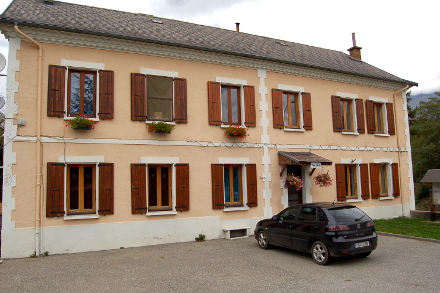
pixel 38 199
pixel 398 145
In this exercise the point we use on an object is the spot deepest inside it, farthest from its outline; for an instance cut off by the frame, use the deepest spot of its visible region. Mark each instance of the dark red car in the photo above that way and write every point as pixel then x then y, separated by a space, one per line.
pixel 325 230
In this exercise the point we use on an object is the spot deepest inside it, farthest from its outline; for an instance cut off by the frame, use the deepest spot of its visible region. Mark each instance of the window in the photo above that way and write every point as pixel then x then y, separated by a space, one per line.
pixel 348 114
pixel 79 195
pixel 307 214
pixel 168 188
pixel 231 104
pixel 231 108
pixel 89 93
pixel 380 117
pixel 234 185
pixel 291 110
pixel 81 95
pixel 384 180
pixel 351 181
pixel 158 98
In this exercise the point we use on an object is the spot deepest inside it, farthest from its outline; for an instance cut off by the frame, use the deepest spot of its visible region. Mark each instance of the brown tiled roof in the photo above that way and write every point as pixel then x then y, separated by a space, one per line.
pixel 148 28
pixel 432 176
pixel 304 158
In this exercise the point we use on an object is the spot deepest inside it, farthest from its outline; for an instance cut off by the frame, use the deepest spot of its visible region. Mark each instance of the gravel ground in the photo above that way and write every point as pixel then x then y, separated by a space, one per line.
pixel 397 265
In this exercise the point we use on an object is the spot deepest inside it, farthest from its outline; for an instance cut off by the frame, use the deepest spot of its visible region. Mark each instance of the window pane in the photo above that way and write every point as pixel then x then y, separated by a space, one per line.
pixel 88 93
pixel 227 184
pixel 225 103
pixel 348 114
pixel 236 184
pixel 74 92
pixel 159 109
pixel 352 181
pixel 88 187
pixel 165 186
pixel 285 110
pixel 152 186
pixel 74 189
pixel 160 98
pixel 293 107
pixel 383 177
pixel 235 103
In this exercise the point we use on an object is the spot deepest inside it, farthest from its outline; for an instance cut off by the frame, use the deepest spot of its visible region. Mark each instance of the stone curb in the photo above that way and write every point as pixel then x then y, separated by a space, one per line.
pixel 408 237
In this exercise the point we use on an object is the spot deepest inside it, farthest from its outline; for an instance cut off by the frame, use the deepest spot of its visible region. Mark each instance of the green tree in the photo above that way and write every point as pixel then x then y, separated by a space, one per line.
pixel 425 137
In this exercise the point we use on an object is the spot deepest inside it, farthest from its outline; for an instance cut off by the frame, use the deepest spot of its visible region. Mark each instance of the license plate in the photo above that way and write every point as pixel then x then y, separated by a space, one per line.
pixel 362 244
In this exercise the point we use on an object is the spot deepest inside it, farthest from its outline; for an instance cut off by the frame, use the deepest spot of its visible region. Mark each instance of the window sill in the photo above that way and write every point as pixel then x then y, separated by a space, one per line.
pixel 354 200
pixel 233 209
pixel 227 125
pixel 66 118
pixel 167 122
pixel 81 217
pixel 350 133
pixel 381 134
pixel 386 198
pixel 294 130
pixel 162 213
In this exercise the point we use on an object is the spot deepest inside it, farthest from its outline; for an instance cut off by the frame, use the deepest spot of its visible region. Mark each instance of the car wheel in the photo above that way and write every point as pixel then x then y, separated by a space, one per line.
pixel 320 253
pixel 263 242
pixel 363 254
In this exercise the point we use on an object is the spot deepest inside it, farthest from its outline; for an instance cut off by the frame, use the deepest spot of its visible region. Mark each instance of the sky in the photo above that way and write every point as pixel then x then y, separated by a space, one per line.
pixel 399 37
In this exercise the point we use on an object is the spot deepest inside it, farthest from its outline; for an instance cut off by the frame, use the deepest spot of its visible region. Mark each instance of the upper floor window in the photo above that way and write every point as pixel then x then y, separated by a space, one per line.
pixel 291 109
pixel 231 104
pixel 380 117
pixel 348 113
pixel 158 98
pixel 89 93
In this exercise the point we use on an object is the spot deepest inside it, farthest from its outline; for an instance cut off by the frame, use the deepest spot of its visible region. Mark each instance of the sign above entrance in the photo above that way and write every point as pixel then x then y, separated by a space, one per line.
pixel 315 165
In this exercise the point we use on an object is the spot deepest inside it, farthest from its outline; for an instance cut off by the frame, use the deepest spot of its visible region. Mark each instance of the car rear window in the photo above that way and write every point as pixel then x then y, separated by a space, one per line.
pixel 348 214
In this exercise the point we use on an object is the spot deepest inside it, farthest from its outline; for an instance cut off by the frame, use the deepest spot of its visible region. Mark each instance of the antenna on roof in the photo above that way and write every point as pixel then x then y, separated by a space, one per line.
pixel 353 37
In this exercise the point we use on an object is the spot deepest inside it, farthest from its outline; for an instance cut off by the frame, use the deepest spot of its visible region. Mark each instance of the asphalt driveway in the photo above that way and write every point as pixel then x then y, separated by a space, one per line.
pixel 397 265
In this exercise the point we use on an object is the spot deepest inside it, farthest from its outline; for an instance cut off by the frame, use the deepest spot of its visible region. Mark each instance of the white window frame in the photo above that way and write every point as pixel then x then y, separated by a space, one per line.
pixel 296 90
pixel 225 81
pixel 382 101
pixel 388 163
pixel 163 73
pixel 83 160
pixel 242 162
pixel 163 161
pixel 81 65
pixel 352 97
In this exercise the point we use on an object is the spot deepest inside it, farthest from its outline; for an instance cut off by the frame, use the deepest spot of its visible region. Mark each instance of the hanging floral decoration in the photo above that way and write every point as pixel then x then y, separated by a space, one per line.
pixel 293 181
pixel 236 131
pixel 323 180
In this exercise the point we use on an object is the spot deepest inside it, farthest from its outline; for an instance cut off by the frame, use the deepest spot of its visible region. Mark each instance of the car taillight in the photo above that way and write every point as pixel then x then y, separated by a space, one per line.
pixel 370 224
pixel 338 228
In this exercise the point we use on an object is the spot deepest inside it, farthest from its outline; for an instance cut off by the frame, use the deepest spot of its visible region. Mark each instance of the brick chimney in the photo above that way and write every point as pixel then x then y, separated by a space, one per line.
pixel 355 51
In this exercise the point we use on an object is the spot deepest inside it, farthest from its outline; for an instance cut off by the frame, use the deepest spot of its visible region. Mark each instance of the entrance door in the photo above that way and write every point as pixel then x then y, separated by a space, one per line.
pixel 294 196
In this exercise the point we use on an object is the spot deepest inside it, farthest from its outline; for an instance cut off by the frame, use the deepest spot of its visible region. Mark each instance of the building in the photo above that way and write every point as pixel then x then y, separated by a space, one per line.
pixel 307 110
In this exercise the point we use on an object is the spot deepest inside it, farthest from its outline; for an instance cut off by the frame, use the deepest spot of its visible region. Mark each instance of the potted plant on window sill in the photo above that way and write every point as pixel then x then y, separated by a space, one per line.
pixel 293 181
pixel 160 127
pixel 236 131
pixel 81 123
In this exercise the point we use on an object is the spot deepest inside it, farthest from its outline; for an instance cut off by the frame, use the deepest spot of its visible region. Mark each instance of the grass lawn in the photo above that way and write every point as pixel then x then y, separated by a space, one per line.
pixel 412 227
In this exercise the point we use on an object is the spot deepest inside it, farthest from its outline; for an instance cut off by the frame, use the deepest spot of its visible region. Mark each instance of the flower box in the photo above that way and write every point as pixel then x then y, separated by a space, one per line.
pixel 236 131
pixel 160 127
pixel 81 123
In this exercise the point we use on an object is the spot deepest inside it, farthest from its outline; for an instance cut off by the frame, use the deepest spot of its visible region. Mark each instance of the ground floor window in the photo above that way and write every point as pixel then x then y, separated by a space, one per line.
pixel 81 189
pixel 233 185
pixel 352 182
pixel 159 187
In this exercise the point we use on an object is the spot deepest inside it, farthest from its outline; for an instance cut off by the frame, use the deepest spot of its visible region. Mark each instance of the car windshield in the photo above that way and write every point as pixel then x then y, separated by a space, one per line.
pixel 348 214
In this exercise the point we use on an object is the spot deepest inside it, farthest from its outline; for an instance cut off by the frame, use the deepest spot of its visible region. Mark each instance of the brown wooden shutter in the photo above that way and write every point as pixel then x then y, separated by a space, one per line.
pixel 214 103
pixel 365 182
pixel 218 201
pixel 138 188
pixel 360 117
pixel 341 191
pixel 369 110
pixel 251 179
pixel 106 189
pixel 336 110
pixel 182 187
pixel 138 97
pixel 106 94
pixel 390 119
pixel 56 91
pixel 395 174
pixel 374 180
pixel 307 110
pixel 55 190
pixel 180 100
pixel 249 106
pixel 277 108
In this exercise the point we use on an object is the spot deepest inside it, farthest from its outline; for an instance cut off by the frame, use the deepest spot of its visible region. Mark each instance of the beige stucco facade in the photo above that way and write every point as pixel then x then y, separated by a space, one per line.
pixel 122 142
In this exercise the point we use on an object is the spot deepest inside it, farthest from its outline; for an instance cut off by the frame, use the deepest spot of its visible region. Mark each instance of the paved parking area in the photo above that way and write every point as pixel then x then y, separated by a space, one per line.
pixel 397 265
